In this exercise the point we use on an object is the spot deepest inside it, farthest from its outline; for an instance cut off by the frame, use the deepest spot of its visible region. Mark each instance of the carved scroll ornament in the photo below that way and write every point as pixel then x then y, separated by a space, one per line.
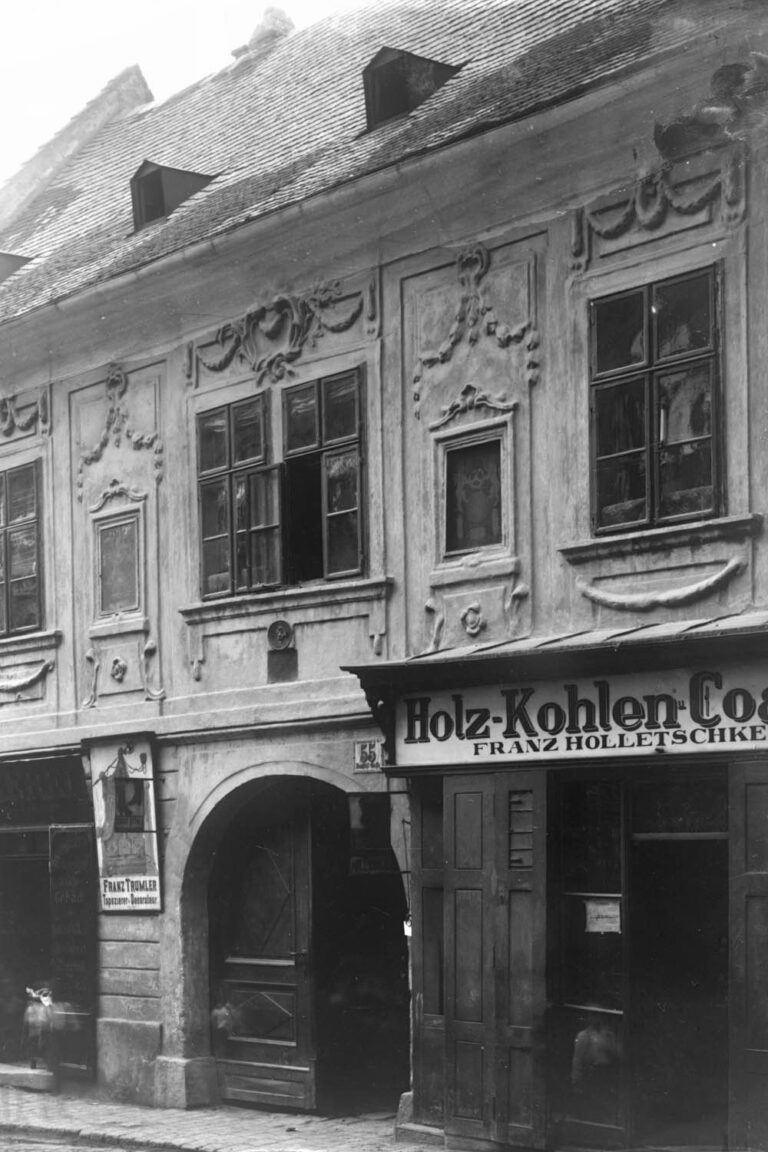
pixel 476 316
pixel 644 602
pixel 115 427
pixel 292 322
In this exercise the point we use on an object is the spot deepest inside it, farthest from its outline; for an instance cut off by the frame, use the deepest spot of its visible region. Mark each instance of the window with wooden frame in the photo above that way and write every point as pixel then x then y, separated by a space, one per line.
pixel 299 519
pixel 655 378
pixel 473 494
pixel 20 583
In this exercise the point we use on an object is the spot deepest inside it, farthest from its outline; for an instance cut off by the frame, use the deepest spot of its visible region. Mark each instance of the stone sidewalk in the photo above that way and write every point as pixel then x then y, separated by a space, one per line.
pixel 225 1129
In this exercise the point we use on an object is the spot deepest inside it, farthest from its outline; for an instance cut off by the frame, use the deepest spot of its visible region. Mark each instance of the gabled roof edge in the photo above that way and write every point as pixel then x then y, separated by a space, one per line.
pixel 124 93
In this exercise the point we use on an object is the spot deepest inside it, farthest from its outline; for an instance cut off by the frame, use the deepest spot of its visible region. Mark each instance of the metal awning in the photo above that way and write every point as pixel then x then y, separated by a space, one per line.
pixel 732 637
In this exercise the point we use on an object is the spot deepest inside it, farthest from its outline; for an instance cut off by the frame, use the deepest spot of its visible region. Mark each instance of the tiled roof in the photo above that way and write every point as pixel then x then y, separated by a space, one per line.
pixel 277 129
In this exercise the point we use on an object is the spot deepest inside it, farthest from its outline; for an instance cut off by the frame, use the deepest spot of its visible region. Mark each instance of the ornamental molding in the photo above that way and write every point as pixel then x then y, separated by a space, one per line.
pixel 292 323
pixel 655 197
pixel 116 427
pixel 476 317
pixel 115 489
pixel 435 607
pixel 468 400
pixel 17 684
pixel 35 414
pixel 148 653
pixel 92 673
pixel 644 602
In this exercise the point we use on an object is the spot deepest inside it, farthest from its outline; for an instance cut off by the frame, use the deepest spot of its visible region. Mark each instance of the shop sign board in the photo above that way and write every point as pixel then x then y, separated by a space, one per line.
pixel 126 827
pixel 718 709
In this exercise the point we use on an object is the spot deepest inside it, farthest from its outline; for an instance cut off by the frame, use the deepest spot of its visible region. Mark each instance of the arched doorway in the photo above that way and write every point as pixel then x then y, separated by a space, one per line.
pixel 308 963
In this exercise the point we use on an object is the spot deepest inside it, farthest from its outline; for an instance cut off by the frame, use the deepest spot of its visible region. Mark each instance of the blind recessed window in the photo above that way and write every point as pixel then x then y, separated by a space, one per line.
pixel 473 510
pixel 20 599
pixel 653 398
pixel 266 523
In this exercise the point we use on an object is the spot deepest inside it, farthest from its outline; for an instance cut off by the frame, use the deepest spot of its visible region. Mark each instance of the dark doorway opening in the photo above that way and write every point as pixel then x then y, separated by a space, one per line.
pixel 679 980
pixel 309 971
pixel 25 945
pixel 638 967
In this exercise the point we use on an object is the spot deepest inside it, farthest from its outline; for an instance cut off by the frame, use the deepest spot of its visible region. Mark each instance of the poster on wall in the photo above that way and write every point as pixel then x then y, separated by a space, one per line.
pixel 122 778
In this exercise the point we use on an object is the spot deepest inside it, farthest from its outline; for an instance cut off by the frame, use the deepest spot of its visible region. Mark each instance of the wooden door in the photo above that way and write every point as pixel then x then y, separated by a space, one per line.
pixel 495 906
pixel 748 991
pixel 520 945
pixel 470 999
pixel 263 1016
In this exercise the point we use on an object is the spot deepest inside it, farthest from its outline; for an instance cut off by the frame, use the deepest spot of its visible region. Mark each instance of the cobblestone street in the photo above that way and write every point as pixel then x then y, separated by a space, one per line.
pixel 74 1122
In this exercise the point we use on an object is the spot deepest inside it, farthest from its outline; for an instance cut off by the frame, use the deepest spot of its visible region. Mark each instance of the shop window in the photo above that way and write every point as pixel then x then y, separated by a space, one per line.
pixel 654 391
pixel 20 583
pixel 473 503
pixel 266 523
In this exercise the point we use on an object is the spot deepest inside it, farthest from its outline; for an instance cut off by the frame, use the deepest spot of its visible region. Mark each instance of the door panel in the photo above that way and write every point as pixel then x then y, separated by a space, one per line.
pixel 470 1020
pixel 748 992
pixel 266 1050
pixel 495 902
pixel 520 958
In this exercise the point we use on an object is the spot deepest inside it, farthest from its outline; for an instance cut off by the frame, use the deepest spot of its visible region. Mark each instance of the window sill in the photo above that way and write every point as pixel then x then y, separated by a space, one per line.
pixel 30 642
pixel 662 539
pixel 118 626
pixel 284 599
pixel 475 566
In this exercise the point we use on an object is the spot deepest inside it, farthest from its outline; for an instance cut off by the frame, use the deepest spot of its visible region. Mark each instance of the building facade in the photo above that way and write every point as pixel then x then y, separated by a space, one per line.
pixel 384 582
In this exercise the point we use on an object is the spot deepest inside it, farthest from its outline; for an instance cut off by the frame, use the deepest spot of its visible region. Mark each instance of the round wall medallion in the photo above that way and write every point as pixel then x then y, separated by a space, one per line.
pixel 279 635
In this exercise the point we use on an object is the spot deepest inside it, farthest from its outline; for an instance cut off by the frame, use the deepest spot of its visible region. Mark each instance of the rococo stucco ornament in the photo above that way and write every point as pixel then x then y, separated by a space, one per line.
pixel 291 323
pixel 115 427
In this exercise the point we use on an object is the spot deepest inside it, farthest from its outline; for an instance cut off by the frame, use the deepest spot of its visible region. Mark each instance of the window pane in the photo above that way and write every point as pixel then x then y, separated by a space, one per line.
pixel 591 822
pixel 685 404
pixel 212 433
pixel 619 332
pixel 265 556
pixel 22 544
pixel 265 498
pixel 304 490
pixel 3 622
pixel 21 493
pixel 620 415
pixel 241 503
pixel 593 1061
pixel 301 429
pixel 343 548
pixel 214 504
pixel 341 481
pixel 2 498
pixel 215 566
pixel 683 312
pixel 473 497
pixel 685 479
pixel 621 490
pixel 592 961
pixel 24 608
pixel 340 408
pixel 248 431
pixel 242 574
pixel 118 563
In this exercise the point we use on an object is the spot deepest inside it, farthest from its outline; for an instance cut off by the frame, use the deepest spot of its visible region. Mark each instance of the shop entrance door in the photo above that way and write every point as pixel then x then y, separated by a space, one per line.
pixel 639 971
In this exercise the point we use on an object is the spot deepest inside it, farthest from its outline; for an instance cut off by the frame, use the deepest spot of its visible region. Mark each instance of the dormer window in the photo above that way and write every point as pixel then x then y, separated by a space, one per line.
pixel 157 191
pixel 10 262
pixel 396 82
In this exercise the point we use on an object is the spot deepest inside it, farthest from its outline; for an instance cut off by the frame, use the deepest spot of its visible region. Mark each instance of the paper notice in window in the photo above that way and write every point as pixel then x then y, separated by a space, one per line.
pixel 603 915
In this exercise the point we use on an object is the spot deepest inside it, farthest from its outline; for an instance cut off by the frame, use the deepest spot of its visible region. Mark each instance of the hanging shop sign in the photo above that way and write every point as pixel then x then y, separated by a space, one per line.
pixel 713 710
pixel 126 828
